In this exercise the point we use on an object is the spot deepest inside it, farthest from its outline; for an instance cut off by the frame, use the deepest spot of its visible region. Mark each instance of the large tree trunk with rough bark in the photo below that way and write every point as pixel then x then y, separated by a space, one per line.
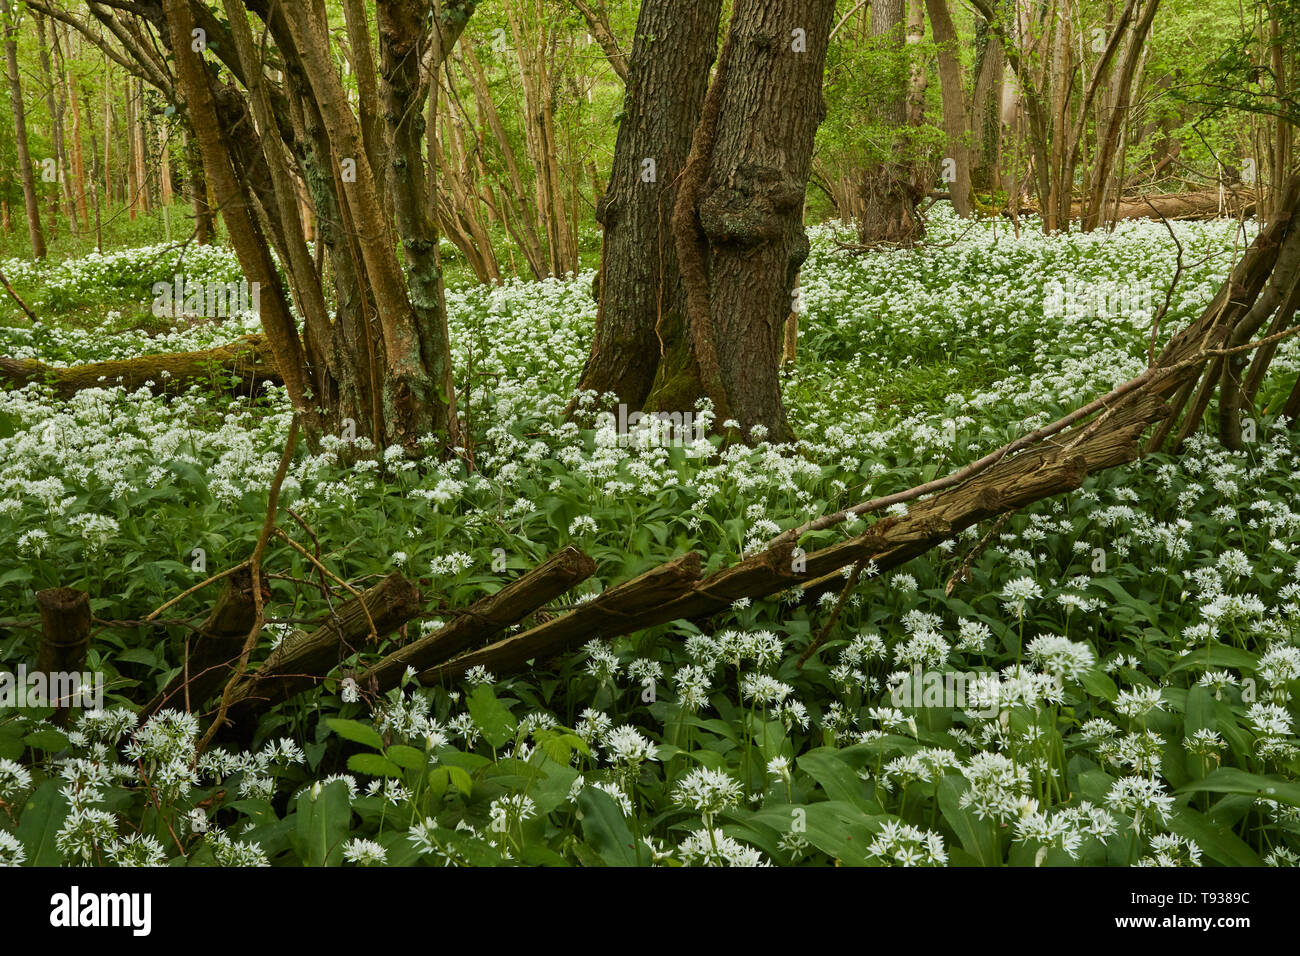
pixel 739 216
pixel 639 289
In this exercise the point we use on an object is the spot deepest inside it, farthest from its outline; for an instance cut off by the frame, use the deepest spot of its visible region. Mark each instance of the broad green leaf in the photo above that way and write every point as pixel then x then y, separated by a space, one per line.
pixel 836 778
pixel 407 757
pixel 605 829
pixel 356 731
pixel 1217 841
pixel 978 837
pixel 376 765
pixel 1232 780
pixel 491 717
pixel 43 816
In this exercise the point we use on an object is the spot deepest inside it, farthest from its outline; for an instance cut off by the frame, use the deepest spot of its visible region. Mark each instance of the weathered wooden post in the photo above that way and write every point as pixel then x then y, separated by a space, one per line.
pixel 65 639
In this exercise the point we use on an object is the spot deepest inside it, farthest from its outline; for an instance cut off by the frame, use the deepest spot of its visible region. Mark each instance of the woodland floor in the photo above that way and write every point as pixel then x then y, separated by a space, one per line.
pixel 1132 646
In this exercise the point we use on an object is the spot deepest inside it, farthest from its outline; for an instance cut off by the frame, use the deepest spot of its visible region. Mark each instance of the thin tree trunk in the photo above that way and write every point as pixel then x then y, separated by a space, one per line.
pixel 889 193
pixel 34 231
pixel 955 116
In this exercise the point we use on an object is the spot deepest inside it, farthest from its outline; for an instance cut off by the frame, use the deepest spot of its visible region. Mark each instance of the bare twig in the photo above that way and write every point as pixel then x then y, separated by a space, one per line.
pixel 255 572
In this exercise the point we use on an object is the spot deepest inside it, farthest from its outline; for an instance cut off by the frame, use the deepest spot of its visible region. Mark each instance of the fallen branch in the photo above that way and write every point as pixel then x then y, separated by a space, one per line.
pixel 255 575
pixel 247 359
pixel 485 618
pixel 607 614
pixel 303 659
pixel 221 638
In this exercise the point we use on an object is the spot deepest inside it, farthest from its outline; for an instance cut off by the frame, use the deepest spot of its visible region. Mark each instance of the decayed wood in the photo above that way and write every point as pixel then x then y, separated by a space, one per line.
pixel 602 616
pixel 220 638
pixel 1198 204
pixel 247 359
pixel 302 660
pixel 485 618
pixel 65 634
pixel 65 629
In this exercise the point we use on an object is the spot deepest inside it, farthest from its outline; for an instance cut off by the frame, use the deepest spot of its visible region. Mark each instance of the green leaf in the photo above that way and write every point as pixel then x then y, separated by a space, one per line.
pixel 47 739
pixel 836 777
pixel 1217 841
pixel 356 731
pixel 840 830
pixel 556 748
pixel 1232 780
pixel 323 824
pixel 1218 655
pixel 1098 684
pixel 376 765
pixel 407 757
pixel 42 818
pixel 978 837
pixel 460 779
pixel 491 716
pixel 605 828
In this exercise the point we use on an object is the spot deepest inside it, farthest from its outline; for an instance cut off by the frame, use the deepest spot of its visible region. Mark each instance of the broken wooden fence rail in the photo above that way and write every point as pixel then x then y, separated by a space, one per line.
pixel 210 658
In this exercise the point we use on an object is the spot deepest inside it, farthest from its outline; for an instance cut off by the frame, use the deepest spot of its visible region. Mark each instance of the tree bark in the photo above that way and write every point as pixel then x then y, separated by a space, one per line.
pixel 640 285
pixel 293 666
pixel 889 193
pixel 210 658
pixel 34 231
pixel 955 114
pixel 739 216
pixel 247 361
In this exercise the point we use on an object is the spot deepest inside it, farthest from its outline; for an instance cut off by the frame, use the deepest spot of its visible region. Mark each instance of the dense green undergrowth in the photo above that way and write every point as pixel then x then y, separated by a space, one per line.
pixel 1127 654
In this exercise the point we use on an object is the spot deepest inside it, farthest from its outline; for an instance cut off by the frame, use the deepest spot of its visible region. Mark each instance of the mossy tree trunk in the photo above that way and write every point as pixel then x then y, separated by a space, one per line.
pixel 640 283
pixel 888 187
pixel 739 217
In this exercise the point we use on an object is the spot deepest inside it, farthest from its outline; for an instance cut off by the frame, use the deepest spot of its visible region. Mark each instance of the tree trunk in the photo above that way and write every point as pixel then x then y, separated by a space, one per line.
pixel 198 189
pixel 955 116
pixel 739 216
pixel 245 234
pixel 56 111
pixel 419 396
pixel 34 231
pixel 640 286
pixel 986 109
pixel 888 188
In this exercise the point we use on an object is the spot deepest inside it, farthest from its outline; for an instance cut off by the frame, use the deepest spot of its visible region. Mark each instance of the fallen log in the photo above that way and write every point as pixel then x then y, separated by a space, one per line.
pixel 890 542
pixel 303 659
pixel 209 661
pixel 247 359
pixel 1200 204
pixel 484 618
pixel 604 615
